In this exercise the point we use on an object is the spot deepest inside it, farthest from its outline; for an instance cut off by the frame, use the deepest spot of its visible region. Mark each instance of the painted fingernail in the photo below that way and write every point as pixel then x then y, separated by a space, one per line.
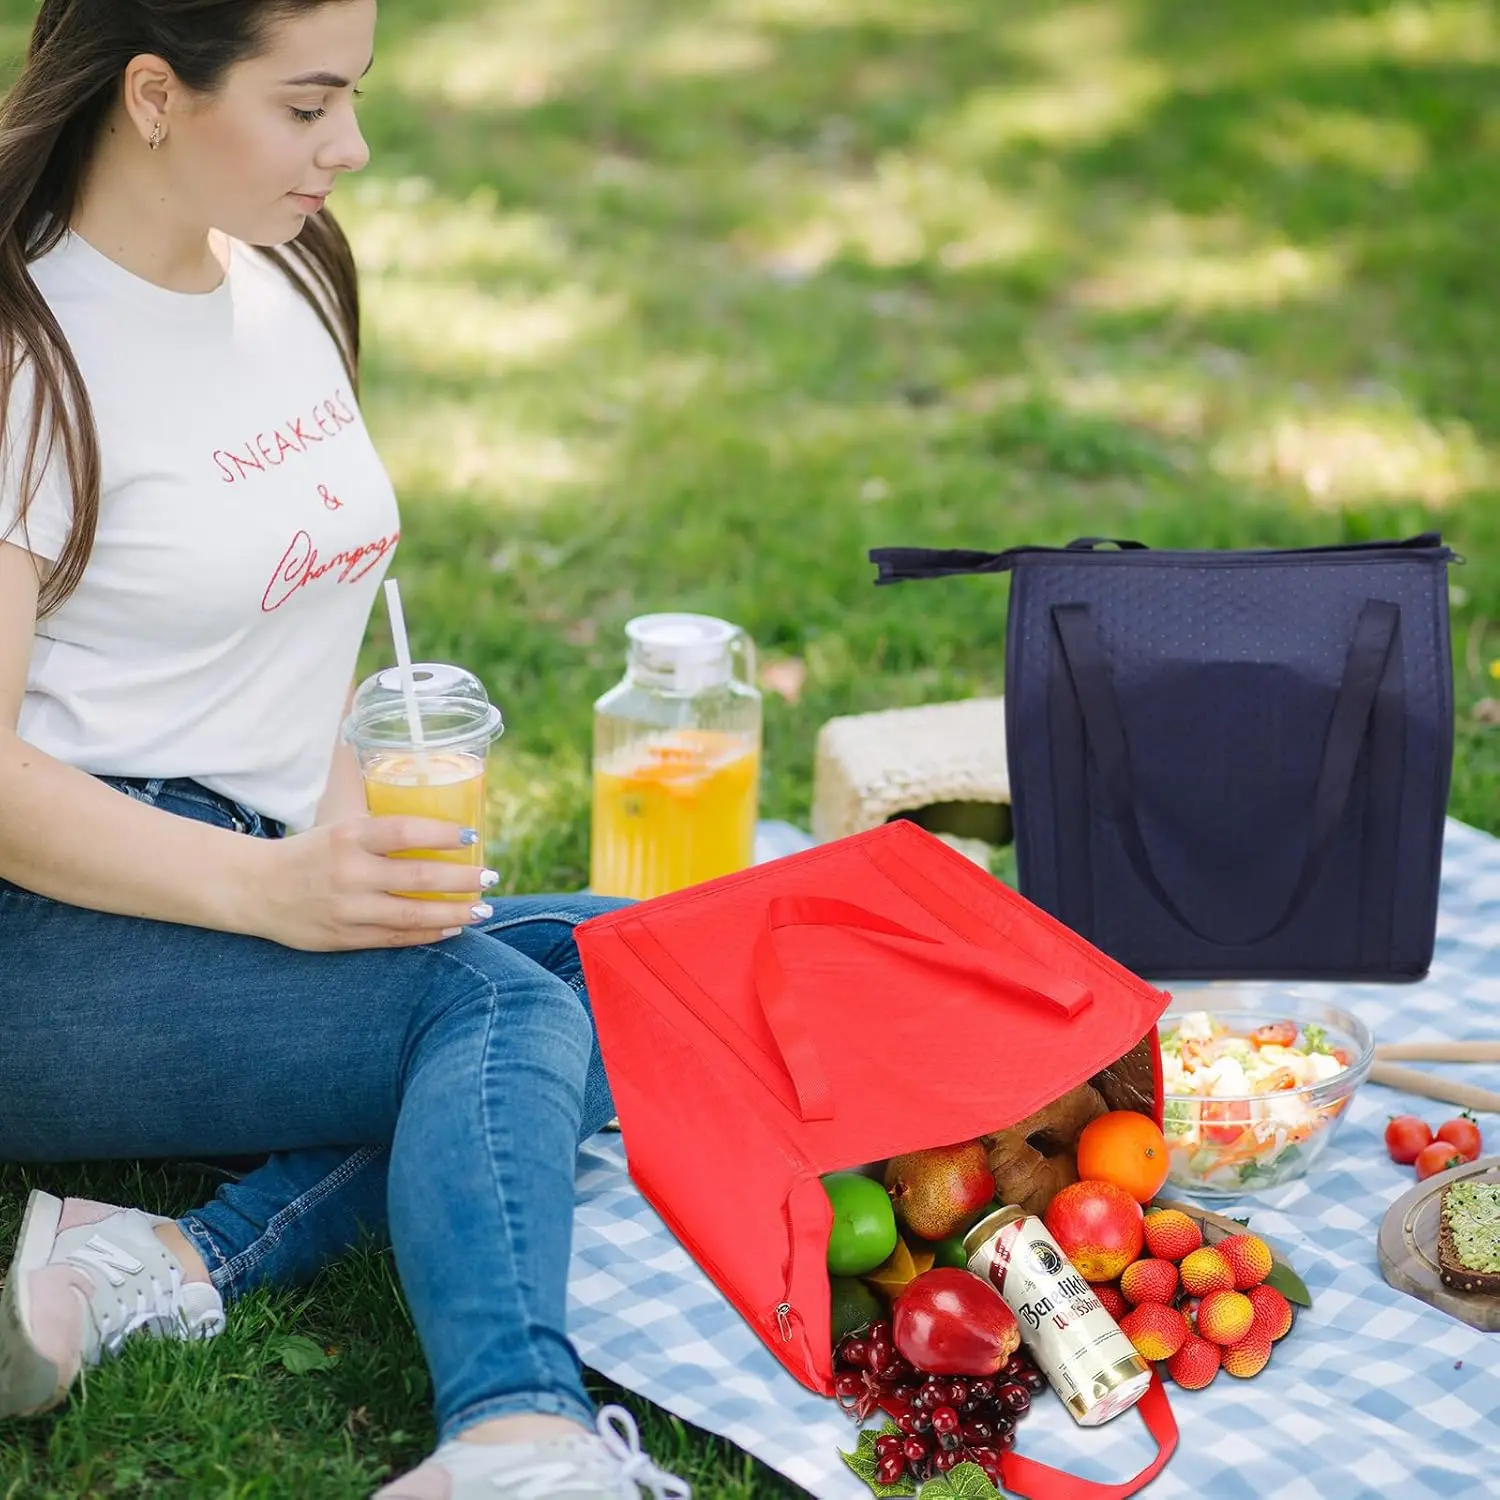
pixel 452 931
pixel 469 837
pixel 483 911
pixel 488 878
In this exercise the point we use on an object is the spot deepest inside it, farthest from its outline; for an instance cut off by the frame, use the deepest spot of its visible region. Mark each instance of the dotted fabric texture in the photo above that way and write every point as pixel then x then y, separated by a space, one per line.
pixel 1225 669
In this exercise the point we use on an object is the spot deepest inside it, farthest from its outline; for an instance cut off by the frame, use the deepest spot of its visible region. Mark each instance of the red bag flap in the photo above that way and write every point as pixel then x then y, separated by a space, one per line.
pixel 873 996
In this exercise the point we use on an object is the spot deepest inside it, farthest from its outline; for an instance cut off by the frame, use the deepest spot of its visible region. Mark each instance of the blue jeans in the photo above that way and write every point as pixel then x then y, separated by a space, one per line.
pixel 435 1097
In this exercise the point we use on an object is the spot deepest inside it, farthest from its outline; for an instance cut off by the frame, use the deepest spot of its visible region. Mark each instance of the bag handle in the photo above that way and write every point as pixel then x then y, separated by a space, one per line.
pixel 1011 971
pixel 1036 1481
pixel 1364 667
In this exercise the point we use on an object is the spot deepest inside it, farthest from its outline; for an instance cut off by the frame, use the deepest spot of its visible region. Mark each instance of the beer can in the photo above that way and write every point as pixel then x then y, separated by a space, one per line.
pixel 1081 1350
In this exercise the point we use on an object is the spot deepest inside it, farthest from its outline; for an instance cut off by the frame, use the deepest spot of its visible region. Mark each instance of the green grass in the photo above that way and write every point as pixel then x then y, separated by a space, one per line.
pixel 685 304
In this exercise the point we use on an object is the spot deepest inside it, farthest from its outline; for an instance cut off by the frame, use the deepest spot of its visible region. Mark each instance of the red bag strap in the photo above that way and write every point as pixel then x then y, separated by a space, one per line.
pixel 1011 971
pixel 1025 1476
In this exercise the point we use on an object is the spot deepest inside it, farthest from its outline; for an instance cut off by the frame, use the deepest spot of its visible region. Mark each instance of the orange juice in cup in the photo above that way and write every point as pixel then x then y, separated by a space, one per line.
pixel 443 777
pixel 445 785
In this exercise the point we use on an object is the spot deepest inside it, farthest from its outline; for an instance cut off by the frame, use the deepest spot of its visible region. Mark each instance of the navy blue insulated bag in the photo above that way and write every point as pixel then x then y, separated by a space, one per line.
pixel 1228 764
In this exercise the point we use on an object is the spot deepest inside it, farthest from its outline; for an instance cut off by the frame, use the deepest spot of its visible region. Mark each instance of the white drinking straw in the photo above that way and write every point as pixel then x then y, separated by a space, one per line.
pixel 403 664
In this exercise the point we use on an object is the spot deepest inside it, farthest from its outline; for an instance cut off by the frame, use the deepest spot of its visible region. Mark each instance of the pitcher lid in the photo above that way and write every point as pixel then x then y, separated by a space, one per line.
pixel 685 652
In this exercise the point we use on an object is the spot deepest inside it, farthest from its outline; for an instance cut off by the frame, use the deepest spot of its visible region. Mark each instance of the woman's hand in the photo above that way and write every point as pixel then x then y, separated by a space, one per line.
pixel 328 890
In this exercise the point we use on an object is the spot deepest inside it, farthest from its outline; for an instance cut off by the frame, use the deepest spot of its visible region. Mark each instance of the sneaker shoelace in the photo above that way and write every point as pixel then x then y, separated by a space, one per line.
pixel 623 1465
pixel 160 1310
pixel 621 1438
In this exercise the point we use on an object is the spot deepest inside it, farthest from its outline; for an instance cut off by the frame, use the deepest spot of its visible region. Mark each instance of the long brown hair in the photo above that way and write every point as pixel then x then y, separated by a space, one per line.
pixel 49 124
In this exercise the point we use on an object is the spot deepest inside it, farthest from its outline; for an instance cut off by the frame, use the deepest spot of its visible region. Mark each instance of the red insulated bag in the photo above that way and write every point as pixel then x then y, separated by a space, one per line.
pixel 866 998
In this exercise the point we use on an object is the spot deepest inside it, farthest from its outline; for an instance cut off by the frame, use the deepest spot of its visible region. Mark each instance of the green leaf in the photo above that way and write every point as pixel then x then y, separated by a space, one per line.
pixel 1291 1286
pixel 965 1481
pixel 301 1355
pixel 862 1462
pixel 1315 1039
pixel 1271 1171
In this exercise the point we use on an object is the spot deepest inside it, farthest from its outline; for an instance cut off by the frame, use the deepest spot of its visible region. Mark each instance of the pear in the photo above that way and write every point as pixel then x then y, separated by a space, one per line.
pixel 937 1192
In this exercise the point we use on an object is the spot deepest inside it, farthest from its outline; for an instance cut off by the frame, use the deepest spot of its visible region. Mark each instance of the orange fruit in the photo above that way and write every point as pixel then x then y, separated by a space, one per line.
pixel 1124 1147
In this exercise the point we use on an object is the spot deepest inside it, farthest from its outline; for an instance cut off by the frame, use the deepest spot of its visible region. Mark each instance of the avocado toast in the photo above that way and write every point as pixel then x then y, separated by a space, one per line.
pixel 1469 1237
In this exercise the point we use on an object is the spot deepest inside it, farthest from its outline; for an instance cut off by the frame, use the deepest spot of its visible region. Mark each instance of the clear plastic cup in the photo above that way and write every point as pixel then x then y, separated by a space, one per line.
pixel 444 776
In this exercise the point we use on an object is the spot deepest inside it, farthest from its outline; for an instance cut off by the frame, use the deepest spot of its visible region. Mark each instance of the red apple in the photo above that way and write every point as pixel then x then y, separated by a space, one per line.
pixel 950 1322
pixel 1098 1226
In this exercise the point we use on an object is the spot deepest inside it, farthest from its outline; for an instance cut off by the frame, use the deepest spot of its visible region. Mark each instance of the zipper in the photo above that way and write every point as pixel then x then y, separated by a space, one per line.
pixel 785 1310
pixel 782 1313
pixel 904 564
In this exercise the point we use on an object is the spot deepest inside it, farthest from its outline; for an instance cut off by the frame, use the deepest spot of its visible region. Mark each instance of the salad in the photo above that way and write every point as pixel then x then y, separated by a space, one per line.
pixel 1237 1109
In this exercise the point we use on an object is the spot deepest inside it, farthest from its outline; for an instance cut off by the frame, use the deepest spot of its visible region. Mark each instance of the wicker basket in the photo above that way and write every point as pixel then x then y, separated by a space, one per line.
pixel 873 767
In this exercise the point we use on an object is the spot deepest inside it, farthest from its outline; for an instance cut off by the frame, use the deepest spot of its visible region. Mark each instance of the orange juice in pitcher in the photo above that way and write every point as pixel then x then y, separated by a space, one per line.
pixel 676 759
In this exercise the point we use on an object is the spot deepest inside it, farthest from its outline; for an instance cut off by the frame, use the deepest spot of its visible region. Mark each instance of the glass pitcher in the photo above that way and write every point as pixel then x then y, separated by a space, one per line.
pixel 677 749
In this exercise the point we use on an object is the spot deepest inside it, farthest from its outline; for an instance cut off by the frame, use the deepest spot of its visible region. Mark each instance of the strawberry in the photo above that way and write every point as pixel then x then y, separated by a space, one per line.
pixel 1195 1364
pixel 1206 1271
pixel 1170 1234
pixel 1157 1331
pixel 1149 1281
pixel 1108 1292
pixel 1249 1356
pixel 1249 1259
pixel 1273 1313
pixel 1225 1317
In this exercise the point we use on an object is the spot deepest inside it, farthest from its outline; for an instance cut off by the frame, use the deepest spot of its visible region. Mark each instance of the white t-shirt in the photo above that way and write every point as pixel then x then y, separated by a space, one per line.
pixel 245 524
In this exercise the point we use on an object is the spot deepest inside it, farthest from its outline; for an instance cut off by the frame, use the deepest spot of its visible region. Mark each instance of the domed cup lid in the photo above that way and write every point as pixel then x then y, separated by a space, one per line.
pixel 452 704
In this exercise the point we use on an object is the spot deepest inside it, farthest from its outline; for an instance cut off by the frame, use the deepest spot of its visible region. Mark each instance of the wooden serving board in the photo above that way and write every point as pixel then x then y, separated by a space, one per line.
pixel 1409 1247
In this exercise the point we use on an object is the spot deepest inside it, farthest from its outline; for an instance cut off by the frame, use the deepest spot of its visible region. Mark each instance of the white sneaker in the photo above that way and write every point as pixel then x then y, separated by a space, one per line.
pixel 609 1466
pixel 85 1277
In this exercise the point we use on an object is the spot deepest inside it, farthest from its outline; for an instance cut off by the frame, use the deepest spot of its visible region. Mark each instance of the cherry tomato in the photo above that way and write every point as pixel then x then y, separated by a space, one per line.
pixel 1222 1123
pixel 1463 1134
pixel 1438 1157
pixel 1405 1137
pixel 1277 1034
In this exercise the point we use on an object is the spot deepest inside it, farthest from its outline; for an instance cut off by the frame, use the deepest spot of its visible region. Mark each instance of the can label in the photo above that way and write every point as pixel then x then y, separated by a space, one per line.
pixel 1081 1350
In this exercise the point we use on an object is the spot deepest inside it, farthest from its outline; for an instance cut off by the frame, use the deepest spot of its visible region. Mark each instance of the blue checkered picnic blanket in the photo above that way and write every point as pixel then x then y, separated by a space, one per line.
pixel 1372 1394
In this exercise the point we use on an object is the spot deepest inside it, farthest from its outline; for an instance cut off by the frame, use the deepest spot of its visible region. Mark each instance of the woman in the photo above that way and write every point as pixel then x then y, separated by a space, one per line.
pixel 201 956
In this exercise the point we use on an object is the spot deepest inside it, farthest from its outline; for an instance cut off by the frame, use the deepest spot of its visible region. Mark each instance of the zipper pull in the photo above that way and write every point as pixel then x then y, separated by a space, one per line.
pixel 784 1322
pixel 902 564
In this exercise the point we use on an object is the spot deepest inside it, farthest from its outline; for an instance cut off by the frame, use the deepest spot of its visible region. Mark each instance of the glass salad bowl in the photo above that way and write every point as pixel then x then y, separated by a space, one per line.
pixel 1255 1087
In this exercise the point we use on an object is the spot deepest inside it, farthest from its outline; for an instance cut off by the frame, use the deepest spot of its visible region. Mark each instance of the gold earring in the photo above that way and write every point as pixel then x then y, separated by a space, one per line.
pixel 155 140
